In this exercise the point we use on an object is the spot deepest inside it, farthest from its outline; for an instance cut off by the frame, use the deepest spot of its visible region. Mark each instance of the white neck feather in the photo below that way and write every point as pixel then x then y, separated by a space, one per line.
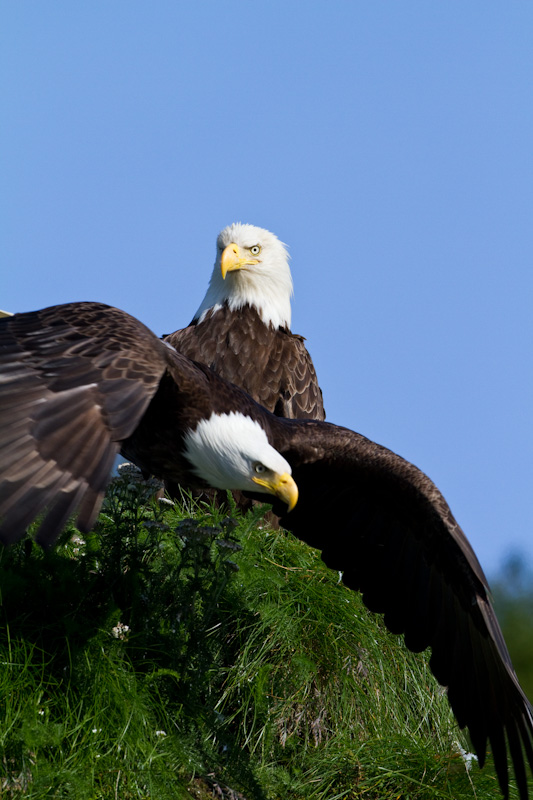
pixel 267 286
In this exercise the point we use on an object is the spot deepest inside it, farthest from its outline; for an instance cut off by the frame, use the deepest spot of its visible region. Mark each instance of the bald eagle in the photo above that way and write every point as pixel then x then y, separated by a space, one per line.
pixel 82 381
pixel 242 326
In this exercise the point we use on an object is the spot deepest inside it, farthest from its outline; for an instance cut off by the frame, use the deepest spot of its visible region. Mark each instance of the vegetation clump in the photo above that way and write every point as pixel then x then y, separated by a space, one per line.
pixel 177 651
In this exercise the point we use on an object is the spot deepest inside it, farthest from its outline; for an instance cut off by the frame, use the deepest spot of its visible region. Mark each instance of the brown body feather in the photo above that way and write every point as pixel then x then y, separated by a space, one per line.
pixel 80 382
pixel 271 364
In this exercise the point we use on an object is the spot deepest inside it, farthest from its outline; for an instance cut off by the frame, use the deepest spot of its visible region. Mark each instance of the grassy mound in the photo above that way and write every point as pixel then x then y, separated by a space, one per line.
pixel 178 653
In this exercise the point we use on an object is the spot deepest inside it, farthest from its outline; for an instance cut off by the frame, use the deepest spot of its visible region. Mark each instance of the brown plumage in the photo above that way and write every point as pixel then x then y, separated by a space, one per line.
pixel 80 382
pixel 272 365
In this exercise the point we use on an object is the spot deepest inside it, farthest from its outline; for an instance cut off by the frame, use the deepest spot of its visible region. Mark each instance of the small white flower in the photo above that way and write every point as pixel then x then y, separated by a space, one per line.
pixel 165 501
pixel 160 733
pixel 120 631
pixel 467 757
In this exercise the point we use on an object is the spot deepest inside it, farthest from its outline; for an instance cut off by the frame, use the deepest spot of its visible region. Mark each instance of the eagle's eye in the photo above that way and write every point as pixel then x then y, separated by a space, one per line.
pixel 259 468
pixel 255 250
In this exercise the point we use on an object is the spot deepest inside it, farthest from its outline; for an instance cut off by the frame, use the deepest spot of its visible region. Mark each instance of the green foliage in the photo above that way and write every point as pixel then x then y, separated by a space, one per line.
pixel 177 653
pixel 513 597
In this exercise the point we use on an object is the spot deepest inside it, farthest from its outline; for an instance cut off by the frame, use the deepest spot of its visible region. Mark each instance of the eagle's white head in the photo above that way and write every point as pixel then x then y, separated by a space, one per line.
pixel 232 451
pixel 251 268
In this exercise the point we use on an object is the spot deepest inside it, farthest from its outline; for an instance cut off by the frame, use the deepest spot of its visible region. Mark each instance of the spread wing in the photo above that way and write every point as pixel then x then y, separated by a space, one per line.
pixel 74 382
pixel 385 525
pixel 273 366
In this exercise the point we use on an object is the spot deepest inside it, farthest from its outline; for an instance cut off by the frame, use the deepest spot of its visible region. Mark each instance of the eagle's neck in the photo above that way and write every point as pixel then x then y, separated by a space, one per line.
pixel 271 298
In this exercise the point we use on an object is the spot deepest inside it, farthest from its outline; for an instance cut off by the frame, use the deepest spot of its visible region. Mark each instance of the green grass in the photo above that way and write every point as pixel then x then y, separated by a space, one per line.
pixel 246 670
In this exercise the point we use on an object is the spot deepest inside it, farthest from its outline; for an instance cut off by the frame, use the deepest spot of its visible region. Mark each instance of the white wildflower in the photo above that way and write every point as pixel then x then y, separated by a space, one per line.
pixel 120 631
pixel 467 757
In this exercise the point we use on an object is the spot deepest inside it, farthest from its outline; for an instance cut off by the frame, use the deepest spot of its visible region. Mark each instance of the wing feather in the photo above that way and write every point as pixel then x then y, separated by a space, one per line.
pixel 74 382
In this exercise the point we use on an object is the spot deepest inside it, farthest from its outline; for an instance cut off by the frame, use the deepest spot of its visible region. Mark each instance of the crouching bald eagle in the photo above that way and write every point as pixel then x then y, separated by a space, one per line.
pixel 82 381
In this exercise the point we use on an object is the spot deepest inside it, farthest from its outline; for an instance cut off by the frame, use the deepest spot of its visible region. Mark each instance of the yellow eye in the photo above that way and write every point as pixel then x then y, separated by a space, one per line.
pixel 255 250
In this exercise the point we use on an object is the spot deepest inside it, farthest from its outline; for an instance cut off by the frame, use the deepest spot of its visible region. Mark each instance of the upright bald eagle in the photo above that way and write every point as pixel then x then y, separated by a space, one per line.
pixel 241 329
pixel 82 381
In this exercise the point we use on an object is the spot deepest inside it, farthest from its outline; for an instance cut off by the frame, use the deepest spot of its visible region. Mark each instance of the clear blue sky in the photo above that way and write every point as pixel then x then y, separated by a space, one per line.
pixel 390 145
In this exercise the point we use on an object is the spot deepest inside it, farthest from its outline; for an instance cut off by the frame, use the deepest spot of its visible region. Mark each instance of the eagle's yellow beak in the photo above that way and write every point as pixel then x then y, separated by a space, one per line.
pixel 233 259
pixel 282 486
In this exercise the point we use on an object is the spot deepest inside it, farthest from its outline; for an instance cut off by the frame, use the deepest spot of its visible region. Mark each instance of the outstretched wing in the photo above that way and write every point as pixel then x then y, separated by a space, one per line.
pixel 386 526
pixel 74 382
